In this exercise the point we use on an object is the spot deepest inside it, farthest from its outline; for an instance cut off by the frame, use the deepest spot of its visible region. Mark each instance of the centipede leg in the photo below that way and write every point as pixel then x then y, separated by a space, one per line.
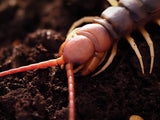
pixel 113 2
pixel 135 48
pixel 81 21
pixel 78 68
pixel 92 64
pixel 110 59
pixel 135 117
pixel 150 44
pixel 158 21
pixel 98 58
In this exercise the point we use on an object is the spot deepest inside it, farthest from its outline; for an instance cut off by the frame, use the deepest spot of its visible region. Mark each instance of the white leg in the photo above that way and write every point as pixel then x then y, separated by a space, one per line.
pixel 113 2
pixel 134 47
pixel 110 59
pixel 81 21
pixel 150 44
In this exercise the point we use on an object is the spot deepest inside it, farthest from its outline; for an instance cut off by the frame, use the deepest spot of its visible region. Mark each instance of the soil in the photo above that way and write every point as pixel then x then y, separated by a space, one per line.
pixel 32 31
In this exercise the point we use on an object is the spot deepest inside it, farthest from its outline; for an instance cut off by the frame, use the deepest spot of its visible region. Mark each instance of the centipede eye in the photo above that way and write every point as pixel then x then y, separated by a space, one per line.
pixel 78 49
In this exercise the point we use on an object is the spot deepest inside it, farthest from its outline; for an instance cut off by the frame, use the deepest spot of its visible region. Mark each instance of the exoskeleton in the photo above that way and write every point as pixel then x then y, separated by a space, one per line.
pixel 87 45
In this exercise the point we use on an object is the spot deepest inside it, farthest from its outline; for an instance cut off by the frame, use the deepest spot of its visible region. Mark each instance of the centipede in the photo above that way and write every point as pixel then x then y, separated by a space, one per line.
pixel 87 46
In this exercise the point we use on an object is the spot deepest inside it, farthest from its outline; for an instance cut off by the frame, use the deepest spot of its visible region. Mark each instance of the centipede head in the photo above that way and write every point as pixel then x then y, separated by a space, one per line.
pixel 77 49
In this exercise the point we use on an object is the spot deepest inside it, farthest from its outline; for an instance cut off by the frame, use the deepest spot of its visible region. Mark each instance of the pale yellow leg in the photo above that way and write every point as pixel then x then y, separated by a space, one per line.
pixel 150 44
pixel 158 21
pixel 134 47
pixel 110 59
pixel 99 59
pixel 113 2
pixel 81 21
pixel 104 56
pixel 135 117
pixel 92 64
pixel 78 68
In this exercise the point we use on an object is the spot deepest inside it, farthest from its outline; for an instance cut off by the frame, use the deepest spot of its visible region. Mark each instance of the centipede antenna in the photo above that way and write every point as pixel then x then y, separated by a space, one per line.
pixel 48 63
pixel 150 44
pixel 158 21
pixel 135 48
pixel 81 21
pixel 70 76
pixel 109 61
pixel 113 2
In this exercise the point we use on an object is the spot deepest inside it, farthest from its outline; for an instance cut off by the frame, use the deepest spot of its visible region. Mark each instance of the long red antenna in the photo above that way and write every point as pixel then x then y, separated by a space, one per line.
pixel 70 75
pixel 48 63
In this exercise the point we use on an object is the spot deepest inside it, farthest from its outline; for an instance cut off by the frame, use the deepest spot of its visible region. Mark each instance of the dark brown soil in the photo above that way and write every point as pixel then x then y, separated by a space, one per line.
pixel 32 31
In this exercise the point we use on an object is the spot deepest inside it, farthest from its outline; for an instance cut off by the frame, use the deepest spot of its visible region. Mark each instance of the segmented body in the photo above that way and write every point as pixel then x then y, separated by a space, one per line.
pixel 128 15
pixel 115 22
